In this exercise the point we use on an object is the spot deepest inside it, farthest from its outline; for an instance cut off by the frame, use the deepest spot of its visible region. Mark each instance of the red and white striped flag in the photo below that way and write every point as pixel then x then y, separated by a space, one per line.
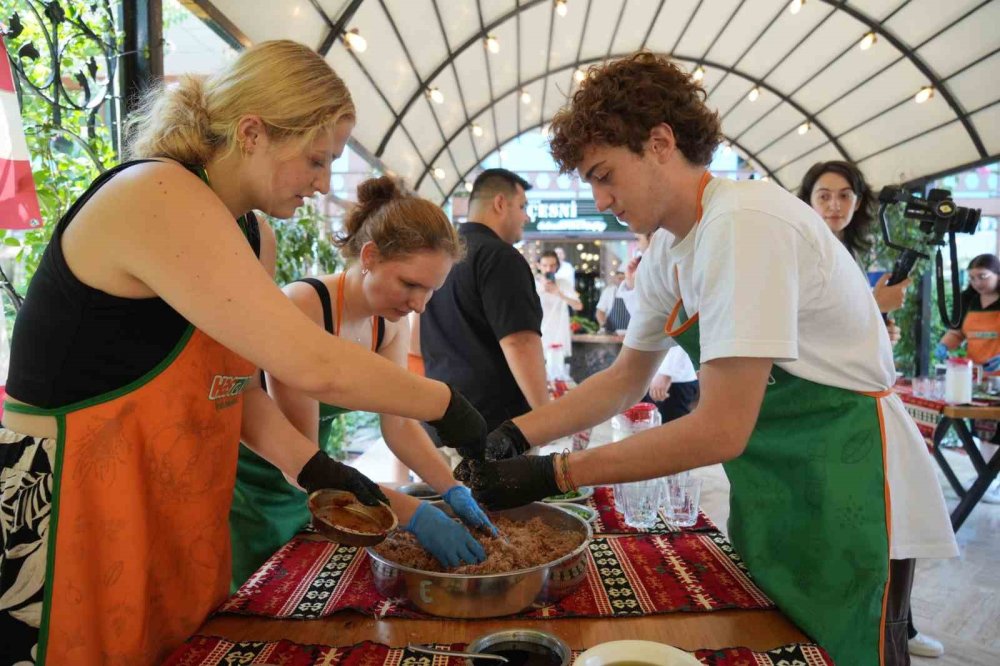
pixel 18 199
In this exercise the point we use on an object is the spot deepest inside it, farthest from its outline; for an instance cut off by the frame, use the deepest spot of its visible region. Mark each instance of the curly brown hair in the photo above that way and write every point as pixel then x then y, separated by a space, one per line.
pixel 618 104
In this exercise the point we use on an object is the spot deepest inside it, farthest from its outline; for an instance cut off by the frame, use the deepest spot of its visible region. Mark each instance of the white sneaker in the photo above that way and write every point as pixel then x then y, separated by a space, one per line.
pixel 923 645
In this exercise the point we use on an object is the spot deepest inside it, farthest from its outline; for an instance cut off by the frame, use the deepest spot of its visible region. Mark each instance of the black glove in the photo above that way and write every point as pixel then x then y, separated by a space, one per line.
pixel 323 472
pixel 462 427
pixel 515 481
pixel 506 441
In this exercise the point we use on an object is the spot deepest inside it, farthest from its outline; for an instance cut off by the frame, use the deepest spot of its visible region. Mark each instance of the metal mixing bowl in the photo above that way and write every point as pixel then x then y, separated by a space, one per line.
pixel 490 595
pixel 422 491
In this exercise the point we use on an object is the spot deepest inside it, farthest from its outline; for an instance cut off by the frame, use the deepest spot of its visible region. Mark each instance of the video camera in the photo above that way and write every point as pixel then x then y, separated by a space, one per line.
pixel 938 216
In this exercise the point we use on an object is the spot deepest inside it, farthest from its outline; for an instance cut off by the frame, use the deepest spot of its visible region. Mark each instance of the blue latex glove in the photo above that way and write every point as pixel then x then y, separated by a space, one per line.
pixel 992 365
pixel 443 538
pixel 459 498
pixel 940 351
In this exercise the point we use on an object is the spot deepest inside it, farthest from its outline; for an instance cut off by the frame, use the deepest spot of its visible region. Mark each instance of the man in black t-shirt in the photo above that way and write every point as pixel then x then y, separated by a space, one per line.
pixel 481 332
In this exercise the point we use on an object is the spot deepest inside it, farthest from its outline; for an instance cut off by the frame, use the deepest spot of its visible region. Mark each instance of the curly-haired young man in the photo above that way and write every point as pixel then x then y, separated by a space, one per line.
pixel 796 370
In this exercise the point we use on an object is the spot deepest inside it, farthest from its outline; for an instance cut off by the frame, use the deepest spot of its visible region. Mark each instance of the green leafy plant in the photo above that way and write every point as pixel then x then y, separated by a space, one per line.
pixel 67 56
pixel 304 246
pixel 583 324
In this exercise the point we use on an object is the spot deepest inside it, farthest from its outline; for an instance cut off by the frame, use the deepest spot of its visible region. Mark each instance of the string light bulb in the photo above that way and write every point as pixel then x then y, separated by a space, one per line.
pixel 439 173
pixel 525 97
pixel 579 75
pixel 753 94
pixel 561 7
pixel 436 95
pixel 795 6
pixel 804 127
pixel 468 186
pixel 492 44
pixel 868 41
pixel 477 130
pixel 699 73
pixel 355 41
pixel 924 94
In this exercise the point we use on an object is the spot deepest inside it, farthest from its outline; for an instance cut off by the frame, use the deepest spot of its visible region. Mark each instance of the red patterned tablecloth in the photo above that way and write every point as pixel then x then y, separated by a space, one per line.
pixel 626 576
pixel 213 651
pixel 609 521
pixel 926 412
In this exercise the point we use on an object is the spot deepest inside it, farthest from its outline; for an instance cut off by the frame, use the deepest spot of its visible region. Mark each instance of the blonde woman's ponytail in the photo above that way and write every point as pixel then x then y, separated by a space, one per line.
pixel 290 87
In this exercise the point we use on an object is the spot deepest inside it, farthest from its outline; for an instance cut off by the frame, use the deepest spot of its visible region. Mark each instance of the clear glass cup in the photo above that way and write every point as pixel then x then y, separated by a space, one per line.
pixel 684 491
pixel 639 501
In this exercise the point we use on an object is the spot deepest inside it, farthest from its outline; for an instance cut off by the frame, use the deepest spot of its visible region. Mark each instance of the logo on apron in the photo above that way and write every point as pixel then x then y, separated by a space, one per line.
pixel 226 389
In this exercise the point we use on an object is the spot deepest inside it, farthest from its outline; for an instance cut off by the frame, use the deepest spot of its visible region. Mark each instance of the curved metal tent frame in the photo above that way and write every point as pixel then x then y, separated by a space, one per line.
pixel 913 35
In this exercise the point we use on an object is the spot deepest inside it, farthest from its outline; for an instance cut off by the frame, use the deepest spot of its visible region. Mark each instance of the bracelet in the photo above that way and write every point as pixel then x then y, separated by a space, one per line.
pixel 564 460
pixel 558 471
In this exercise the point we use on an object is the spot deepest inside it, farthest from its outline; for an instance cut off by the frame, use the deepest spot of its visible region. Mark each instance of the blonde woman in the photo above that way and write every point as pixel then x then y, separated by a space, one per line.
pixel 401 249
pixel 133 367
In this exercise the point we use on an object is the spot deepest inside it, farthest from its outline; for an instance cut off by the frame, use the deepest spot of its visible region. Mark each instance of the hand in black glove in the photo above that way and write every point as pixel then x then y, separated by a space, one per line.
pixel 506 441
pixel 515 481
pixel 323 472
pixel 462 427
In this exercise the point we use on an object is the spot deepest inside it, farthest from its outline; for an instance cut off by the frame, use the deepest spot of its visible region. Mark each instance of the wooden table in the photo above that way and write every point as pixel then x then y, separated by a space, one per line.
pixel 953 417
pixel 957 418
pixel 758 630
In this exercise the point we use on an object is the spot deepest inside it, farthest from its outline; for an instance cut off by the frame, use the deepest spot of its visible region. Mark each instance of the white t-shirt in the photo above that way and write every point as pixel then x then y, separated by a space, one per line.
pixel 555 314
pixel 607 299
pixel 677 365
pixel 769 280
pixel 567 272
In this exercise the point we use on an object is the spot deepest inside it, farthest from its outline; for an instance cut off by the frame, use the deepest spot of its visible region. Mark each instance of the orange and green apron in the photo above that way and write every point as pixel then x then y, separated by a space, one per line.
pixel 809 505
pixel 981 329
pixel 138 546
pixel 267 511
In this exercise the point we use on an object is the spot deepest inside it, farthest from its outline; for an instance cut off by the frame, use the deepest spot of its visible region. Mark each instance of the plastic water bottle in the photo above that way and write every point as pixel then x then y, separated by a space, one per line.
pixel 555 362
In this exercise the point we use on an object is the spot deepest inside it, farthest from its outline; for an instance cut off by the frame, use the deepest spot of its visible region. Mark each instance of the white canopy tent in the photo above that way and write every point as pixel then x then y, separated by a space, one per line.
pixel 434 100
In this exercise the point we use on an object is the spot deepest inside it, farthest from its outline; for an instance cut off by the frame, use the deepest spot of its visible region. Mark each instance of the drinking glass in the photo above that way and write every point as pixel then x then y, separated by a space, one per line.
pixel 685 494
pixel 640 501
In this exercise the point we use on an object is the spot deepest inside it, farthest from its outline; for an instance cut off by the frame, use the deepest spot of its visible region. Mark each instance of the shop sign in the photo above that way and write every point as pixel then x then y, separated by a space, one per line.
pixel 570 216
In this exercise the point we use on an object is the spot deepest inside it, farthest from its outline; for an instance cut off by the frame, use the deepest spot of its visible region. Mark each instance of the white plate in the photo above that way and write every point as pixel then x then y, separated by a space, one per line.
pixel 635 652
pixel 585 494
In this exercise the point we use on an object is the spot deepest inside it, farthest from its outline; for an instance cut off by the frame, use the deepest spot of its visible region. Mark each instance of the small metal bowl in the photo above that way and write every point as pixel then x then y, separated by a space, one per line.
pixel 525 639
pixel 339 516
pixel 422 491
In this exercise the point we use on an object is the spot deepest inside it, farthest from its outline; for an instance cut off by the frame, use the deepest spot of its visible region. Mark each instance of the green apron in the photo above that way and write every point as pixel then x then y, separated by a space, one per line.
pixel 268 511
pixel 809 508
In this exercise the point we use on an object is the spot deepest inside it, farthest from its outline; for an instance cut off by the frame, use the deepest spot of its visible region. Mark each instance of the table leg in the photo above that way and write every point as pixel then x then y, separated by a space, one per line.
pixel 939 432
pixel 987 471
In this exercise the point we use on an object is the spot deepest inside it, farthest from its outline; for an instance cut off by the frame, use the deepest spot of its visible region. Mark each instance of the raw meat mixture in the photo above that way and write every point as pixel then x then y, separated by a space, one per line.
pixel 531 543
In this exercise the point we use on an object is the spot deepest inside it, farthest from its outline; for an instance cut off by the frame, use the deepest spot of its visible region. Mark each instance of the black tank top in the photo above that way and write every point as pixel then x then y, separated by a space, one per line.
pixel 72 342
